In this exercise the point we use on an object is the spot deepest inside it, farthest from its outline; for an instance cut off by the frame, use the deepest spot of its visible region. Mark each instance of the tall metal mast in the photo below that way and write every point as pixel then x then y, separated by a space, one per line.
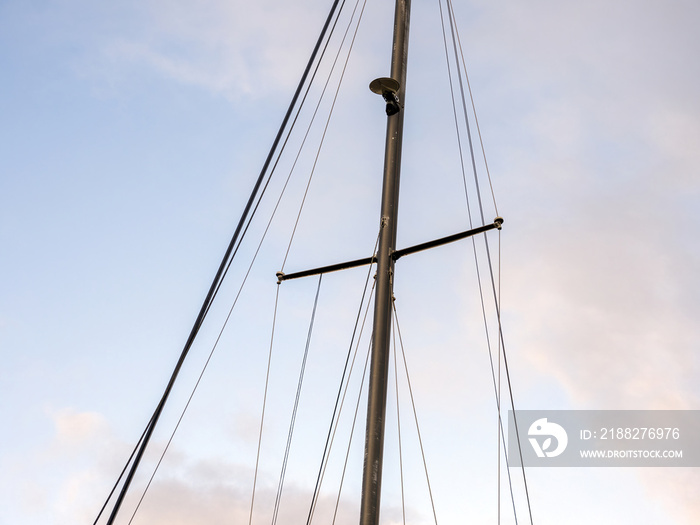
pixel 393 90
pixel 376 411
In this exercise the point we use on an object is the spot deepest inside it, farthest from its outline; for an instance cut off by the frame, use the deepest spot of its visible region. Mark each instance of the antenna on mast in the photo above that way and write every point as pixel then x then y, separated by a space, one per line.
pixel 387 88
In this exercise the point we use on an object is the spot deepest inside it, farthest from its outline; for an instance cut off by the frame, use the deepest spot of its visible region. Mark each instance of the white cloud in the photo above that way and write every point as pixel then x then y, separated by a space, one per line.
pixel 85 457
pixel 676 488
pixel 77 428
pixel 675 134
pixel 231 48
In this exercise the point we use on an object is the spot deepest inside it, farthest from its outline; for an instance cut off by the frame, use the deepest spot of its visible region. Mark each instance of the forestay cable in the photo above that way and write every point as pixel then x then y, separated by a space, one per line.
pixel 141 446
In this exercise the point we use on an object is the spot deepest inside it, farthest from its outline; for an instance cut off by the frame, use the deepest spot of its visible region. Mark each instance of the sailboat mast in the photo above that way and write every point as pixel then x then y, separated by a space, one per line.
pixel 379 368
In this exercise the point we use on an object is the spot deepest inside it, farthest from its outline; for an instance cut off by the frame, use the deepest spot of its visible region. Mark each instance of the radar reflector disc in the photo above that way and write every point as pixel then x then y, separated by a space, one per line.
pixel 382 85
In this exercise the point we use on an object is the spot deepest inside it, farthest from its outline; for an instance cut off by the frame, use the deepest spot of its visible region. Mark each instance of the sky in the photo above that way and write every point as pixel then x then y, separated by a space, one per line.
pixel 131 134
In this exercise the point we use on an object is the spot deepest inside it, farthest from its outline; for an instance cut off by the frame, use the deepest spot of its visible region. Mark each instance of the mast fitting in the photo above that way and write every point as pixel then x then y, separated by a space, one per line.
pixel 387 88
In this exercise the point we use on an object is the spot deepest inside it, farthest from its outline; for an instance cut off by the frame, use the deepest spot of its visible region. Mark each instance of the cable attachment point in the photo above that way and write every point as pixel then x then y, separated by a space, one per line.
pixel 280 277
pixel 387 88
pixel 498 221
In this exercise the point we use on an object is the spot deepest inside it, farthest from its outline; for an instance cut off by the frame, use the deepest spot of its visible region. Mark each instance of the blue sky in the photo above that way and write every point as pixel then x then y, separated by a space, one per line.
pixel 130 136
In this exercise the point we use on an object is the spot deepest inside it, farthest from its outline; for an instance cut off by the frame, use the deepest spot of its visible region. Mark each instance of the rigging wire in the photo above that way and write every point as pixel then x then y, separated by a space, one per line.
pixel 230 312
pixel 340 400
pixel 498 393
pixel 464 108
pixel 357 411
pixel 264 405
pixel 330 113
pixel 455 38
pixel 290 434
pixel 286 140
pixel 454 113
pixel 415 413
pixel 138 451
pixel 245 278
pixel 290 243
pixel 490 266
pixel 398 425
pixel 498 312
pixel 121 475
pixel 476 118
pixel 478 277
pixel 311 175
pixel 307 189
pixel 226 321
